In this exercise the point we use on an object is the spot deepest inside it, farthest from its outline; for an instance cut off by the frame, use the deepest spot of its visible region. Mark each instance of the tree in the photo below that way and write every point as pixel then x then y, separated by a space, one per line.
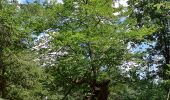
pixel 157 12
pixel 154 13
pixel 88 45
pixel 6 35
pixel 94 49
pixel 20 77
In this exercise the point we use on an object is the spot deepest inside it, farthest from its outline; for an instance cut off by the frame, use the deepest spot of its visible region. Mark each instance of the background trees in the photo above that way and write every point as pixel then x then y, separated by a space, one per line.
pixel 154 13
pixel 20 76
pixel 84 50
pixel 157 13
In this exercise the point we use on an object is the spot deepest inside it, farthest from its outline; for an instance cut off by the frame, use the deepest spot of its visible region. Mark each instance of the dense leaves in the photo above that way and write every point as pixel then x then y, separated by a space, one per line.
pixel 80 50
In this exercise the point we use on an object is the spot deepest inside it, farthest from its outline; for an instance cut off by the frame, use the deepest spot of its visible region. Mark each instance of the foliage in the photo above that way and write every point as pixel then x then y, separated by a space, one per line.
pixel 93 47
pixel 20 77
pixel 88 48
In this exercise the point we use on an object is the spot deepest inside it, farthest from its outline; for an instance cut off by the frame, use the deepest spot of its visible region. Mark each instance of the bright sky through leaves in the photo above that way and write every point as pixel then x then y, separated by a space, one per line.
pixel 122 2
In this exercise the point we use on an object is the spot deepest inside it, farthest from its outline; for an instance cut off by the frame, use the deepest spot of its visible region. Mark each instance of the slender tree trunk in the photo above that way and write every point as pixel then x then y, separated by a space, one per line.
pixel 168 95
pixel 3 83
pixel 2 76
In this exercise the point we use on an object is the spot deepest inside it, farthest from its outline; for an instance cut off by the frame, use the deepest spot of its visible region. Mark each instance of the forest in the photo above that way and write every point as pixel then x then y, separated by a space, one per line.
pixel 85 50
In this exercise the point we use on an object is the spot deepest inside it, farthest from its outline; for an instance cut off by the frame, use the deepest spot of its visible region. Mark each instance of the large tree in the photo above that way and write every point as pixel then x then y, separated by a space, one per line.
pixel 92 49
pixel 91 46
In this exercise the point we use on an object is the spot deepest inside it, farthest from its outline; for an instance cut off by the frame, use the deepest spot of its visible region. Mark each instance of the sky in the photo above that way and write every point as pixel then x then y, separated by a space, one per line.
pixel 122 2
pixel 24 1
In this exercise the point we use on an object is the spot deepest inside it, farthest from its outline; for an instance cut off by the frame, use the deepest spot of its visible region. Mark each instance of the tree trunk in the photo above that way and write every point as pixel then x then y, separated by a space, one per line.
pixel 99 90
